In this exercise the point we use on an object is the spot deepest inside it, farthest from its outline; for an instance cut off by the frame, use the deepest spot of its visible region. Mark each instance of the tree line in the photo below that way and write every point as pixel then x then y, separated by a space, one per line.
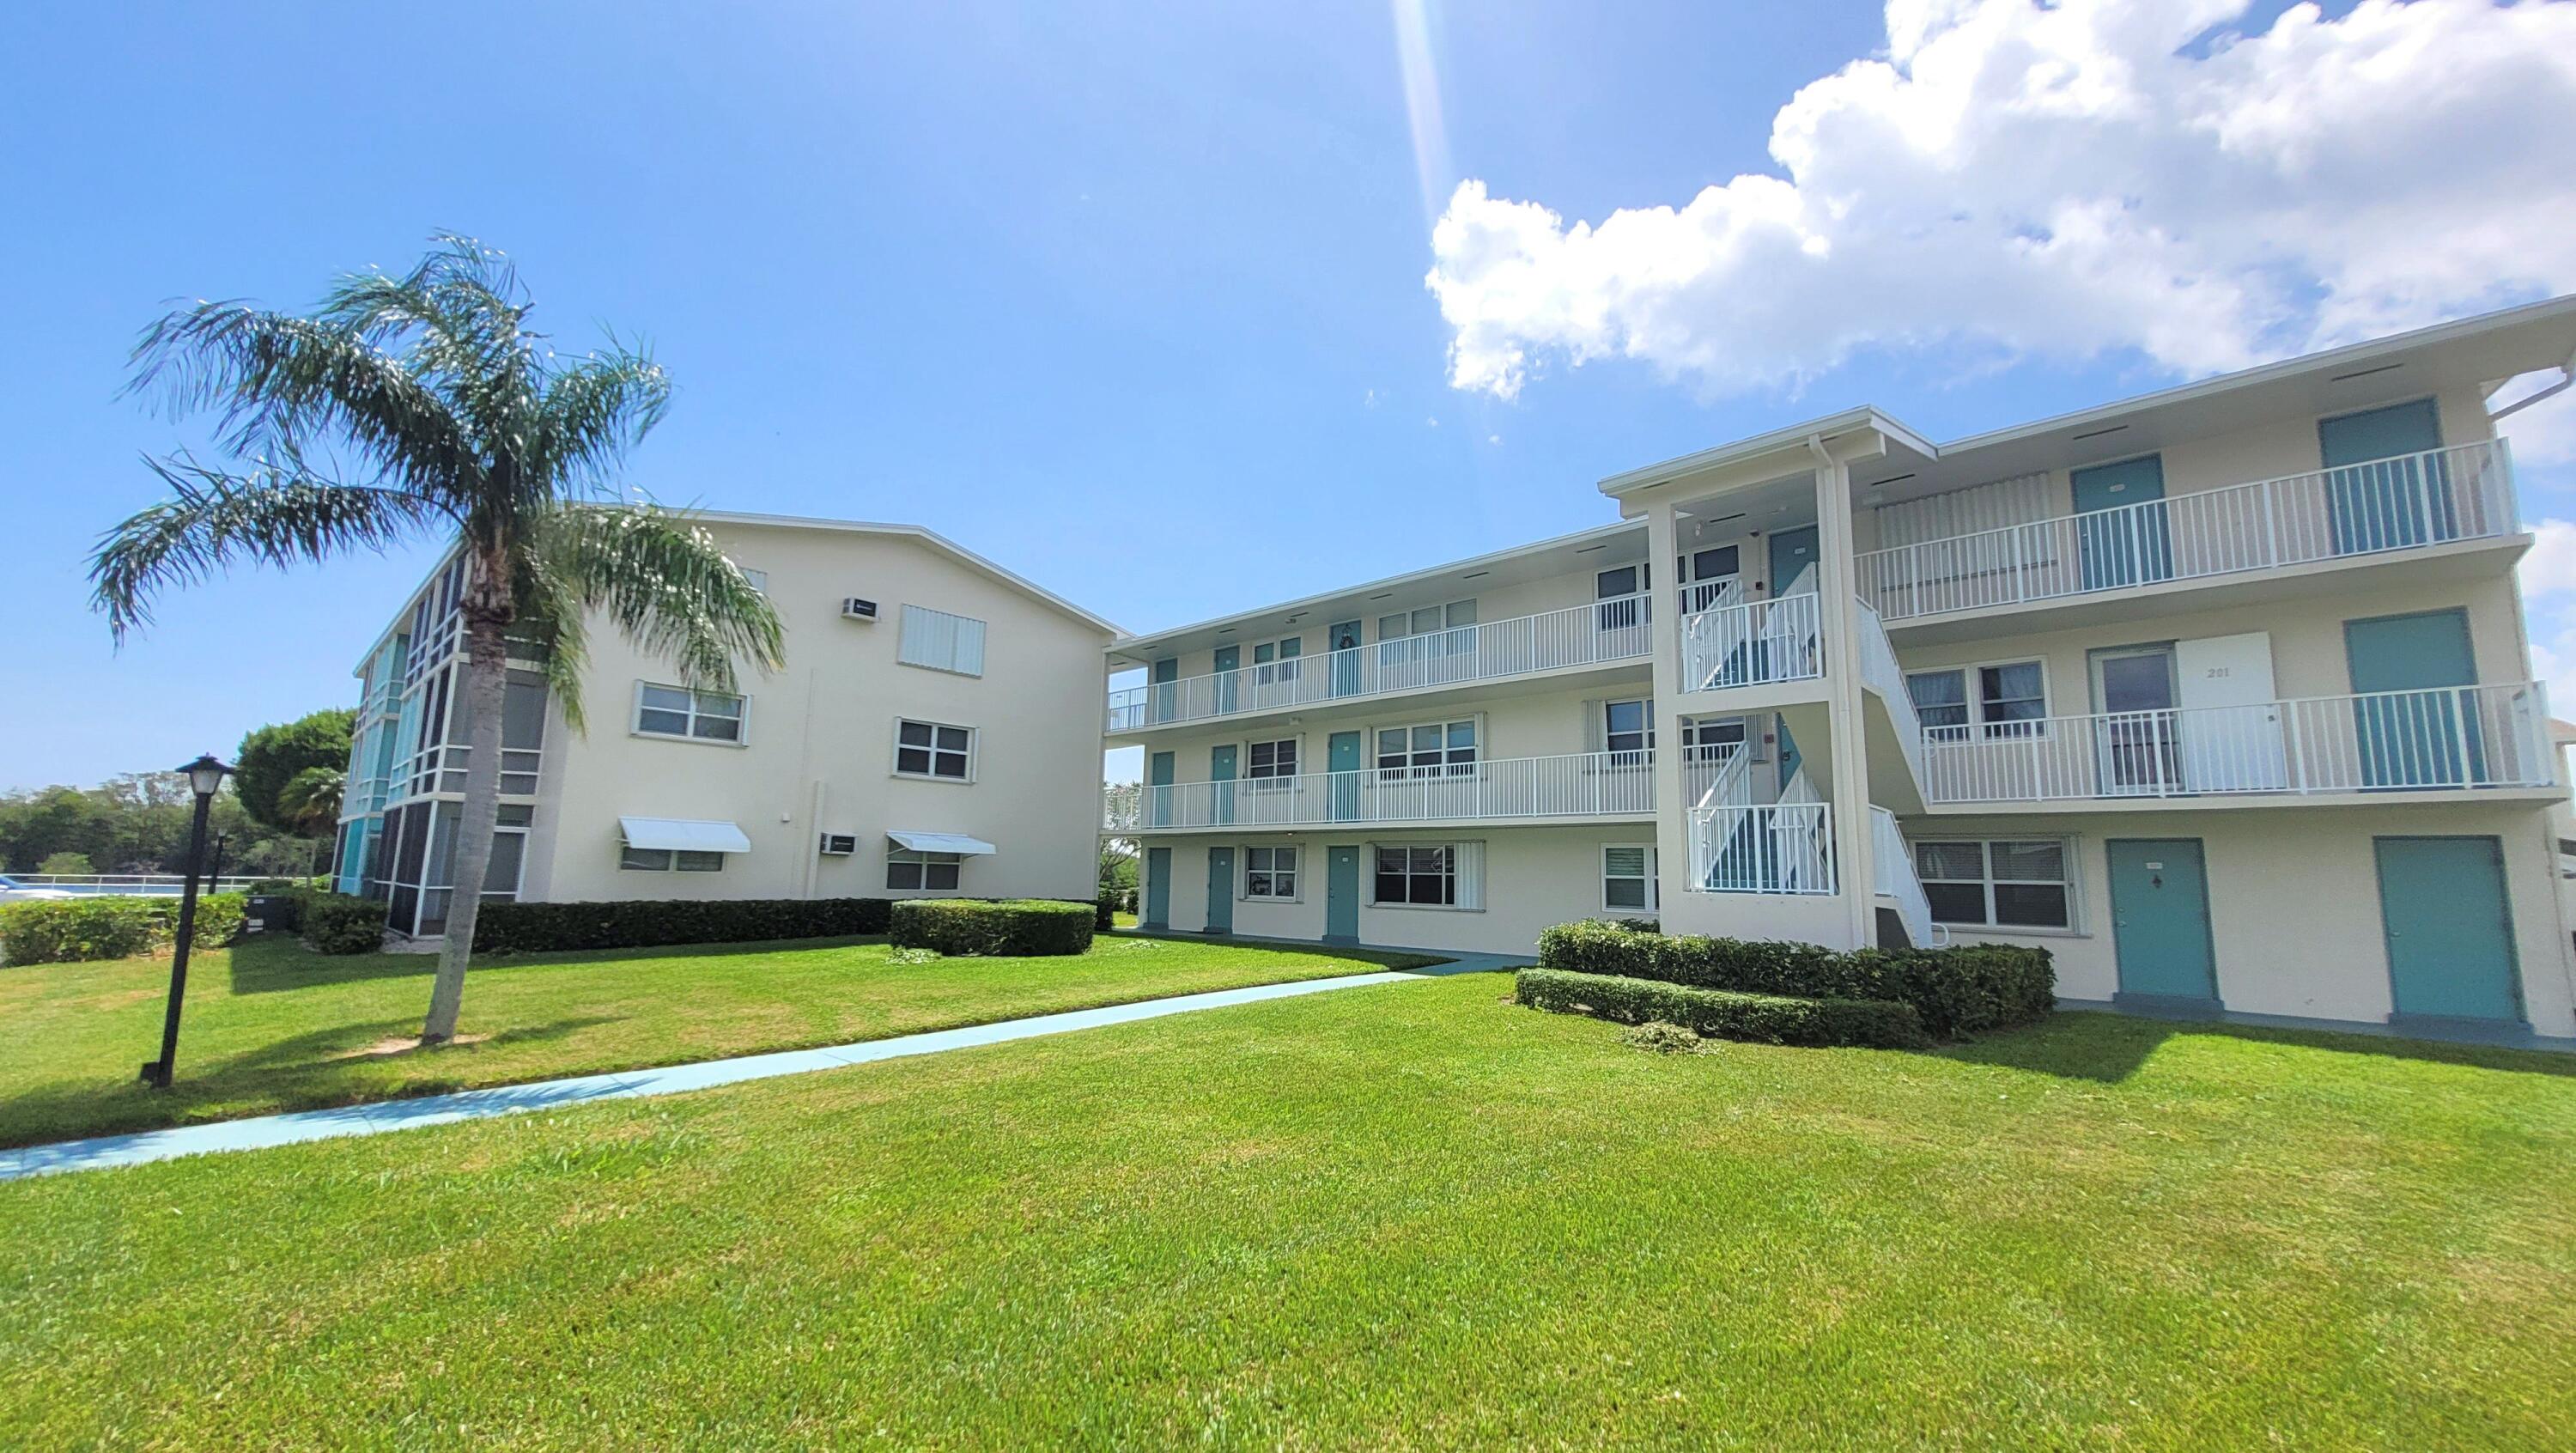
pixel 272 817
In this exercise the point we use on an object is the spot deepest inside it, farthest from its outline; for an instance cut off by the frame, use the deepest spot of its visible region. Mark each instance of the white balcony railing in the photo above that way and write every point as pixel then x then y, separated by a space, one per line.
pixel 2461 493
pixel 1752 643
pixel 1880 672
pixel 1892 866
pixel 1717 775
pixel 1779 847
pixel 1585 635
pixel 2450 737
pixel 1594 784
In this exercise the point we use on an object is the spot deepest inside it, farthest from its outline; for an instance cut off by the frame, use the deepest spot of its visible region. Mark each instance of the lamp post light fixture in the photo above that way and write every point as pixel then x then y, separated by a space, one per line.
pixel 205 775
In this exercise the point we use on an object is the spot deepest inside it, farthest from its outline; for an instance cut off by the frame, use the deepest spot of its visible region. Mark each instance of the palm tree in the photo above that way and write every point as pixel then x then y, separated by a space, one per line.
pixel 310 800
pixel 455 419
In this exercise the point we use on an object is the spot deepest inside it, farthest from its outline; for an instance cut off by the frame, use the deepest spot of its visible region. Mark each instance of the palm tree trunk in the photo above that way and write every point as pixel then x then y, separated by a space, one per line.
pixel 487 682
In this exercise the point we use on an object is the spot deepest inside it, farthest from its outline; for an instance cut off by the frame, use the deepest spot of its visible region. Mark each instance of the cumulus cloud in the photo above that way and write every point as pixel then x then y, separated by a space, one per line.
pixel 2012 181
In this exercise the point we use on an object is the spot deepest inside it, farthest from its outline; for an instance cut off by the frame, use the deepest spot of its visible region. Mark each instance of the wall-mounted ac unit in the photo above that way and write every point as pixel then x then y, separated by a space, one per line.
pixel 855 609
pixel 840 844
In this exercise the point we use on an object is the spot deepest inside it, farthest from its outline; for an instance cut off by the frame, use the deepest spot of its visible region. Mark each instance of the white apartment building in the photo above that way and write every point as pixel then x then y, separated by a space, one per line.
pixel 2222 693
pixel 917 743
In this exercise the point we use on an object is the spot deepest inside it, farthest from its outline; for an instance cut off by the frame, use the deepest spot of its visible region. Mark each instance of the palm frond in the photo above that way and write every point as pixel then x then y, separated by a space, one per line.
pixel 665 585
pixel 597 409
pixel 549 615
pixel 277 381
pixel 278 515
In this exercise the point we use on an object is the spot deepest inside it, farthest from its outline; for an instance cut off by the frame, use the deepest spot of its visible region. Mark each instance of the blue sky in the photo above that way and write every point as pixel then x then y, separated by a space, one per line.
pixel 1132 300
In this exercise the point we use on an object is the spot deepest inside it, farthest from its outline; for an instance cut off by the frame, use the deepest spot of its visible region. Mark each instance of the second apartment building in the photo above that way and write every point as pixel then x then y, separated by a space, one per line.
pixel 2223 693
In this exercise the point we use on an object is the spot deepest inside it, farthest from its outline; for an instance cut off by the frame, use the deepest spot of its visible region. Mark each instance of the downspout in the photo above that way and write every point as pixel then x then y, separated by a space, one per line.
pixel 2566 376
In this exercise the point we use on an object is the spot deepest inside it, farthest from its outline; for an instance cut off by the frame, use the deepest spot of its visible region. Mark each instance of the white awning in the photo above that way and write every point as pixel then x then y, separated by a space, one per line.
pixel 681 834
pixel 941 842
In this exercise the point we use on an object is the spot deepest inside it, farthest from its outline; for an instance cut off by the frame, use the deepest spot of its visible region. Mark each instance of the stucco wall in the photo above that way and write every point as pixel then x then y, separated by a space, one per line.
pixel 828 719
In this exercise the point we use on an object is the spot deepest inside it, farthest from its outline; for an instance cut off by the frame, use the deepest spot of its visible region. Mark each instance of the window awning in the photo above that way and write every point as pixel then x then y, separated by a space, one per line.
pixel 940 842
pixel 681 834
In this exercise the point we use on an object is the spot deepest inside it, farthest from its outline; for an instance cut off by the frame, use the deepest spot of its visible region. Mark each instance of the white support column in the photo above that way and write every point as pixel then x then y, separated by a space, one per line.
pixel 1839 641
pixel 1663 609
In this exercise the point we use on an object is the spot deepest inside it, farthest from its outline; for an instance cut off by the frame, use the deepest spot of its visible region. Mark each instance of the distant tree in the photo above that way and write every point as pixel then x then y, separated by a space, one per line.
pixel 271 756
pixel 66 865
pixel 459 422
pixel 310 801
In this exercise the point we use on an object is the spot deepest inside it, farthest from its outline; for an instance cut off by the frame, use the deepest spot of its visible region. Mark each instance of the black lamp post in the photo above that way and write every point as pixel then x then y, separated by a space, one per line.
pixel 205 775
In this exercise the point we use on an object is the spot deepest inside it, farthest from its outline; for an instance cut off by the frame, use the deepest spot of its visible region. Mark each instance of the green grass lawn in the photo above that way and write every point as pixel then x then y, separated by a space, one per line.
pixel 1408 1215
pixel 271 1027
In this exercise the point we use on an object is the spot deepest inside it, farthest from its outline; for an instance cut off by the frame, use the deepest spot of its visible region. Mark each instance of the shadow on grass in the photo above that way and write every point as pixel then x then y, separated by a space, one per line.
pixel 2108 1048
pixel 315 1070
pixel 265 965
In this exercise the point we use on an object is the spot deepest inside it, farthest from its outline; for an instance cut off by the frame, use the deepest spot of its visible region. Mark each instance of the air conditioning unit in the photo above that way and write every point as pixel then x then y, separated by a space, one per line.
pixel 840 844
pixel 855 609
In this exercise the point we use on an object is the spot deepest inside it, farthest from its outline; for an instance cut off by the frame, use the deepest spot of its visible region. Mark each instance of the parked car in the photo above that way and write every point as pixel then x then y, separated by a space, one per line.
pixel 13 891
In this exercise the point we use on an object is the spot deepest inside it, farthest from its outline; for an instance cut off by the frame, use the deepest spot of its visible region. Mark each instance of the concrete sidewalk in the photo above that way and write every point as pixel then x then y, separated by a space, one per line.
pixel 267 1130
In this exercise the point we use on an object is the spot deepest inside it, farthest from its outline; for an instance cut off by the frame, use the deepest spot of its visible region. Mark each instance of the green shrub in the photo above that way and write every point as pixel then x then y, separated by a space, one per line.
pixel 1725 1013
pixel 1963 989
pixel 78 930
pixel 1104 916
pixel 337 923
pixel 649 923
pixel 1657 1036
pixel 1009 928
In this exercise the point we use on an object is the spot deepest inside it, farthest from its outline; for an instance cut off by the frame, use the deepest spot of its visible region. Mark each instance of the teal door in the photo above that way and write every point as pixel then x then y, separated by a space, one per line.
pixel 1221 762
pixel 2450 927
pixel 1342 894
pixel 1158 789
pixel 2425 733
pixel 1220 914
pixel 1342 638
pixel 1793 552
pixel 2381 494
pixel 1789 758
pixel 1167 689
pixel 1342 759
pixel 1229 660
pixel 2120 526
pixel 1158 889
pixel 2160 920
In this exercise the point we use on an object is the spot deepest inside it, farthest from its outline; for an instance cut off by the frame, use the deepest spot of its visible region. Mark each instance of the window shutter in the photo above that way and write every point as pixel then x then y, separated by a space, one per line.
pixel 941 641
pixel 1592 728
pixel 1471 875
pixel 1242 856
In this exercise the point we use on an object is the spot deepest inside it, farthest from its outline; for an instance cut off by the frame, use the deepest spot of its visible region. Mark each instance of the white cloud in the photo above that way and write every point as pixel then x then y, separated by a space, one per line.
pixel 2550 567
pixel 2065 181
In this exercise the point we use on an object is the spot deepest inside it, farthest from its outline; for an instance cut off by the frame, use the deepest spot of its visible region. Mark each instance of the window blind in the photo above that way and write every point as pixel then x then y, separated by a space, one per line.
pixel 941 641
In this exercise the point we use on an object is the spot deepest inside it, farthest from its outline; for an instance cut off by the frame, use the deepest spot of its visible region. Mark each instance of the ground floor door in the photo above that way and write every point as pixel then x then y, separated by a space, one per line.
pixel 2160 919
pixel 1220 889
pixel 1158 889
pixel 1342 894
pixel 2450 927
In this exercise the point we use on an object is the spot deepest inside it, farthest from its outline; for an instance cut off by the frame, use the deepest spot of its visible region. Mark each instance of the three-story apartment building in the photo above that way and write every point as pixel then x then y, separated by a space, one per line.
pixel 2223 693
pixel 914 744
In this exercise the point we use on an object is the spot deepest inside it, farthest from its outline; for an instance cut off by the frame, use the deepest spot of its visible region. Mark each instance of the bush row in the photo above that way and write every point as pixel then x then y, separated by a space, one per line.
pixel 1008 928
pixel 647 923
pixel 75 930
pixel 1963 989
pixel 339 923
pixel 1726 1013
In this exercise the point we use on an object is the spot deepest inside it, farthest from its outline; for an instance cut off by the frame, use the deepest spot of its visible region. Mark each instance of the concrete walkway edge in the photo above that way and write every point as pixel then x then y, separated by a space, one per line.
pixel 383 1115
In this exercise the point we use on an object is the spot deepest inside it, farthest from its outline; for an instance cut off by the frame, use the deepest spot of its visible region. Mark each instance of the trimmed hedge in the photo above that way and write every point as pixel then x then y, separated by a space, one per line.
pixel 1963 989
pixel 1725 1013
pixel 1006 928
pixel 505 928
pixel 78 930
pixel 339 923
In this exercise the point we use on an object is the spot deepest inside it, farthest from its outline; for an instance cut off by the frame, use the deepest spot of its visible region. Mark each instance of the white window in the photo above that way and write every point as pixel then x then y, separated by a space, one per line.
pixel 1432 749
pixel 1628 878
pixel 1627 726
pixel 672 711
pixel 2003 882
pixel 2010 699
pixel 1711 738
pixel 664 860
pixel 934 749
pixel 941 642
pixel 936 872
pixel 1429 620
pixel 1270 873
pixel 759 578
pixel 1270 660
pixel 1418 875
pixel 1267 760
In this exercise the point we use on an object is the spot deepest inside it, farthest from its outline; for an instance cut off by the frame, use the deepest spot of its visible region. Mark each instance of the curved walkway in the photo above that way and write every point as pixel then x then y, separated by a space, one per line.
pixel 384 1115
